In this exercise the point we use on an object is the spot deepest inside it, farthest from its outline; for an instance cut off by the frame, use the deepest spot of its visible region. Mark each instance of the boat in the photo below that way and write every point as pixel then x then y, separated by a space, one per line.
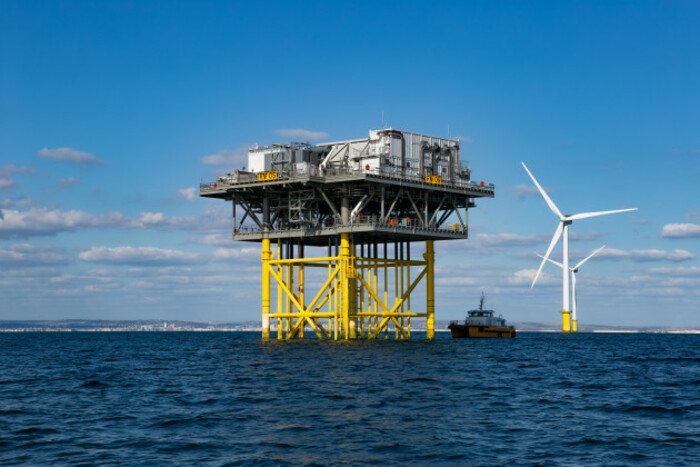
pixel 481 323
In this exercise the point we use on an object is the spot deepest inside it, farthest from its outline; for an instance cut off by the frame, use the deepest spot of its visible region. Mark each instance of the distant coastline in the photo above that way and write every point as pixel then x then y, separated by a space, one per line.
pixel 80 325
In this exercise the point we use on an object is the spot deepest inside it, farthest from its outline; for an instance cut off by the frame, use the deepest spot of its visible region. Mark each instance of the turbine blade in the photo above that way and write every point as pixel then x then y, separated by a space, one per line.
pixel 555 239
pixel 550 203
pixel 589 257
pixel 552 261
pixel 586 215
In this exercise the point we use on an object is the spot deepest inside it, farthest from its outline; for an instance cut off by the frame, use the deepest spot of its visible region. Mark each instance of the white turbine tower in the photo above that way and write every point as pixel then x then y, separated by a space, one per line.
pixel 563 227
pixel 574 271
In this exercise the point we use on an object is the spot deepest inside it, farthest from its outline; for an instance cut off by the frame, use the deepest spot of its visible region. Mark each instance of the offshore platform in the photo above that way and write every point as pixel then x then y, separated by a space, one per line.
pixel 364 201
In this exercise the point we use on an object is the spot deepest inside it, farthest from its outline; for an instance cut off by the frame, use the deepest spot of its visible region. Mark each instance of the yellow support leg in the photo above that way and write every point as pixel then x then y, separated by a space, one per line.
pixel 566 321
pixel 352 294
pixel 279 292
pixel 351 299
pixel 397 292
pixel 266 256
pixel 386 295
pixel 429 257
pixel 403 304
pixel 344 285
pixel 376 272
pixel 330 299
pixel 408 319
pixel 301 296
pixel 337 296
pixel 573 326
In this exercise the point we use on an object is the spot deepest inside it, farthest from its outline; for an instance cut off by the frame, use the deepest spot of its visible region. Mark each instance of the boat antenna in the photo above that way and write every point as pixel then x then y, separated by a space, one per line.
pixel 482 300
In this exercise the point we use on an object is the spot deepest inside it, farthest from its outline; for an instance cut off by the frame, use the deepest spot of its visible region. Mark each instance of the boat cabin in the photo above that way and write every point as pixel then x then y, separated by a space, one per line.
pixel 484 318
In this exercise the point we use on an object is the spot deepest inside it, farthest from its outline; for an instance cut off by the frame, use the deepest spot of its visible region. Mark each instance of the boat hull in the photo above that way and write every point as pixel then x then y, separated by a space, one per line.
pixel 471 331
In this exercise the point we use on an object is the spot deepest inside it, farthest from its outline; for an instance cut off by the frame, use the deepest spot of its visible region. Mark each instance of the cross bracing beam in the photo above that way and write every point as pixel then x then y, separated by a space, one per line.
pixel 437 209
pixel 357 298
pixel 459 216
pixel 328 202
pixel 248 210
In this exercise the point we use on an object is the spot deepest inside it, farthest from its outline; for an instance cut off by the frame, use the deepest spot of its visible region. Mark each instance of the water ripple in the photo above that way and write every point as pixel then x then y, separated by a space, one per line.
pixel 230 399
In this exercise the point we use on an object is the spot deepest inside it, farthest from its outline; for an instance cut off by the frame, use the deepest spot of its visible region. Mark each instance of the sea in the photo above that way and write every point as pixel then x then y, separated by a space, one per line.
pixel 227 398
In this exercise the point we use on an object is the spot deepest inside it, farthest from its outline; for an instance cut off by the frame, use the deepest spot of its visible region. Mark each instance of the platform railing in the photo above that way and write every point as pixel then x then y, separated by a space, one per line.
pixel 408 225
pixel 308 171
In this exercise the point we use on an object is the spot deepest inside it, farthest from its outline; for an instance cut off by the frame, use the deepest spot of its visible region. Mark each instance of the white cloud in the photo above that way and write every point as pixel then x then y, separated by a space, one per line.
pixel 525 277
pixel 232 157
pixel 575 236
pixel 61 278
pixel 302 134
pixel 646 255
pixel 487 243
pixel 144 256
pixel 226 254
pixel 6 183
pixel 211 219
pixel 509 239
pixel 39 221
pixel 680 231
pixel 6 172
pixel 24 254
pixel 214 239
pixel 70 155
pixel 67 182
pixel 457 281
pixel 15 202
pixel 522 191
pixel 680 271
pixel 187 193
pixel 484 244
pixel 43 221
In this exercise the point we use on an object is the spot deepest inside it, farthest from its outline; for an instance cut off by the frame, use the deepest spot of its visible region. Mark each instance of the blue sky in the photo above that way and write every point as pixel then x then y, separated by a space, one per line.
pixel 111 113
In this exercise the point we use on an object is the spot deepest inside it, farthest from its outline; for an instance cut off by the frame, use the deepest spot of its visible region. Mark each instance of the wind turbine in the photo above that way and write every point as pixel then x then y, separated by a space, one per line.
pixel 573 272
pixel 563 228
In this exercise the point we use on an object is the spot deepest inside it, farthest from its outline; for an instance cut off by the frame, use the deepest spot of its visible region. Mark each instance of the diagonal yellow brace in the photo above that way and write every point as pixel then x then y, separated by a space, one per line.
pixel 305 318
pixel 295 329
pixel 409 290
pixel 291 296
pixel 320 304
pixel 313 321
pixel 380 327
pixel 323 289
pixel 372 293
pixel 304 313
pixel 399 327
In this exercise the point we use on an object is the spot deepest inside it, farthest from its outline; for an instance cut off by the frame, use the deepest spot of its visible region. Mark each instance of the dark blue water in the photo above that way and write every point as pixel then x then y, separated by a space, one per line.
pixel 229 399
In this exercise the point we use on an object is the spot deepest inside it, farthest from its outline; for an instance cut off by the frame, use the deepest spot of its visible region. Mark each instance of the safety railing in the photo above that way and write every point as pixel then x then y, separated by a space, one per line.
pixel 406 224
pixel 304 172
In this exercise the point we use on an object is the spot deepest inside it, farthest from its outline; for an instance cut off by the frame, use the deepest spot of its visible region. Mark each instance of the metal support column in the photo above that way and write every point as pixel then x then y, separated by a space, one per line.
pixel 344 285
pixel 429 257
pixel 266 257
